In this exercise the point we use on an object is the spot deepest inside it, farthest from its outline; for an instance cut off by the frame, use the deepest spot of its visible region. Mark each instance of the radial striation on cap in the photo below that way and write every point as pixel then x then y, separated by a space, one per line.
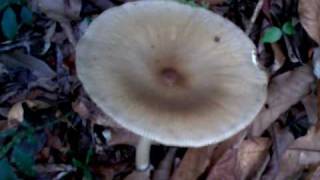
pixel 173 73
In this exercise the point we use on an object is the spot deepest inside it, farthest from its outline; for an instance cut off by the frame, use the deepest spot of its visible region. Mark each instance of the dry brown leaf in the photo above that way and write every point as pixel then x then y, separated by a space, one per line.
pixel 315 174
pixel 222 147
pixel 15 116
pixel 308 142
pixel 294 161
pixel 138 175
pixel 279 57
pixel 289 165
pixel 284 91
pixel 309 12
pixel 310 104
pixel 282 139
pixel 164 169
pixel 227 167
pixel 194 163
pixel 318 104
pixel 60 10
pixel 252 155
pixel 123 136
pixel 242 163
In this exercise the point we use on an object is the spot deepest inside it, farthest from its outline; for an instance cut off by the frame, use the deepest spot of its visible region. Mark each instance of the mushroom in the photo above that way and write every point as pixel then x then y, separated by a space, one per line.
pixel 171 73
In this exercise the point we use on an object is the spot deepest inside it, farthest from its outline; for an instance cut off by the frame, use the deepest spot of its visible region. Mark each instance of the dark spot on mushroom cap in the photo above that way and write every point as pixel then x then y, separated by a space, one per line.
pixel 216 39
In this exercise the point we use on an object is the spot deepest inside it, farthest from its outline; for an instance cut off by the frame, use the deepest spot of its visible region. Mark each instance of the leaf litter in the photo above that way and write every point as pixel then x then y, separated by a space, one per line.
pixel 44 111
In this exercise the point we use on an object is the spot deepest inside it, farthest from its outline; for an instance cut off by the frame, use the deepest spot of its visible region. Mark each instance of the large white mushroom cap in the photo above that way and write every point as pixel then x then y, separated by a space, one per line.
pixel 173 73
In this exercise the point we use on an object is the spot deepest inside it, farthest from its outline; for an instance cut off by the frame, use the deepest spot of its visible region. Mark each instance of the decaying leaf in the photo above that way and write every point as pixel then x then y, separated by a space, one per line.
pixel 251 156
pixel 309 142
pixel 284 91
pixel 194 163
pixel 310 104
pixel 138 175
pixel 164 170
pixel 309 12
pixel 227 167
pixel 294 161
pixel 315 175
pixel 282 139
pixel 60 10
pixel 241 163
pixel 16 113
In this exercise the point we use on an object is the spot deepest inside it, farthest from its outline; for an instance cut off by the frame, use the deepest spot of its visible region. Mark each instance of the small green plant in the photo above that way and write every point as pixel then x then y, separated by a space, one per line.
pixel 84 166
pixel 9 18
pixel 194 4
pixel 273 34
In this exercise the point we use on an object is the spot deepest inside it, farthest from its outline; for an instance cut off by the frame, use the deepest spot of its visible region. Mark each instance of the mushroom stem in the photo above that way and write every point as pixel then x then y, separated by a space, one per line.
pixel 143 153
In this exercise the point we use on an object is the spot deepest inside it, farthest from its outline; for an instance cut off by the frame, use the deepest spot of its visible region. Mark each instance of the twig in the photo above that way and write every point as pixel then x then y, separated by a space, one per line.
pixel 254 16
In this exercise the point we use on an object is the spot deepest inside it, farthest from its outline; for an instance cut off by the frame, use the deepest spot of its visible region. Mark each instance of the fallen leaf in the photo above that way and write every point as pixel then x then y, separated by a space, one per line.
pixel 251 156
pixel 284 91
pixel 138 175
pixel 227 167
pixel 194 163
pixel 164 170
pixel 242 162
pixel 310 104
pixel 35 65
pixel 289 165
pixel 309 12
pixel 279 57
pixel 282 139
pixel 315 174
pixel 60 10
pixel 16 113
pixel 308 142
pixel 294 162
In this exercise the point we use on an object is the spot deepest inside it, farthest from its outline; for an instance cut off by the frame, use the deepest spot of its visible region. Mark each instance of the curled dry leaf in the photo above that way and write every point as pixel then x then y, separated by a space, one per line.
pixel 16 112
pixel 309 142
pixel 310 104
pixel 164 169
pixel 315 175
pixel 227 167
pixel 194 163
pixel 294 161
pixel 251 156
pixel 60 10
pixel 285 90
pixel 138 175
pixel 309 12
pixel 242 163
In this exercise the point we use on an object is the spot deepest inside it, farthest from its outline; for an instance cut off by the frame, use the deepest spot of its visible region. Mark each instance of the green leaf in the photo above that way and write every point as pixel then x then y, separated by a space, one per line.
pixel 3 4
pixel 23 160
pixel 26 15
pixel 78 164
pixel 271 35
pixel 288 28
pixel 6 171
pixel 9 24
pixel 89 155
pixel 87 174
pixel 15 2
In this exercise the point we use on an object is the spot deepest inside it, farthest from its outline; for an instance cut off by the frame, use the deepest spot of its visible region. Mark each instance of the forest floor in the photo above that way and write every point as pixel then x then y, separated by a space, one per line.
pixel 50 129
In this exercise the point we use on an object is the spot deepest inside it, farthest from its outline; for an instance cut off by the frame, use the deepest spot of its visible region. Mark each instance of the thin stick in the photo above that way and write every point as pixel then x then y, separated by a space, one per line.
pixel 254 16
